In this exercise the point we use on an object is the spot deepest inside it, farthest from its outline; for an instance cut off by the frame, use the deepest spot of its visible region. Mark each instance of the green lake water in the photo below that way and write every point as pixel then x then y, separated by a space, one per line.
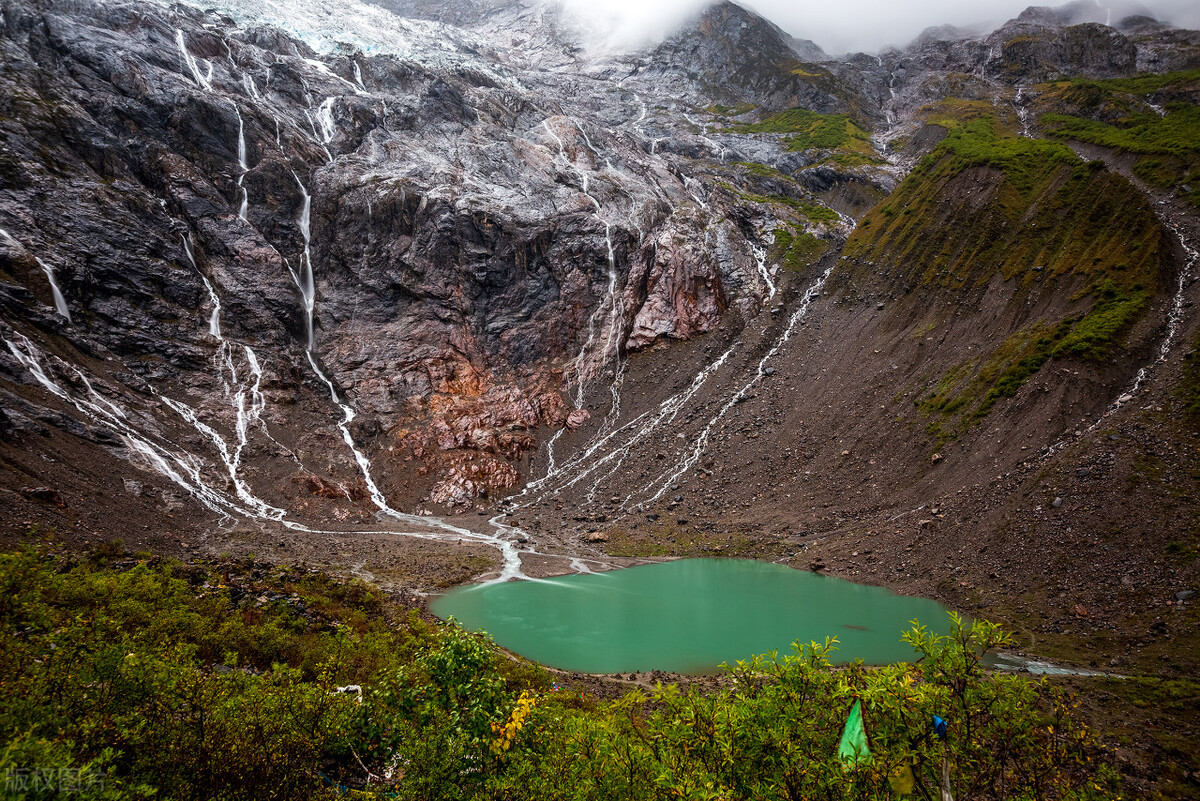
pixel 688 616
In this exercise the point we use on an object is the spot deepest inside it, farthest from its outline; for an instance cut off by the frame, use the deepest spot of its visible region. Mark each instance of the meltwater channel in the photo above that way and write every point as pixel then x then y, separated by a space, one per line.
pixel 688 616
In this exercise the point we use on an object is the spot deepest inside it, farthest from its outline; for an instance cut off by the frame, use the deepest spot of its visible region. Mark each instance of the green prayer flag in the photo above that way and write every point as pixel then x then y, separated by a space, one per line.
pixel 853 749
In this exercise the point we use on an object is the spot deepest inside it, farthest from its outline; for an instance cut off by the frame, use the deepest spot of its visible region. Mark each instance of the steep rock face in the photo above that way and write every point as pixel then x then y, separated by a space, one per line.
pixel 733 56
pixel 1162 48
pixel 679 289
pixel 338 281
pixel 1041 53
pixel 1041 44
pixel 443 249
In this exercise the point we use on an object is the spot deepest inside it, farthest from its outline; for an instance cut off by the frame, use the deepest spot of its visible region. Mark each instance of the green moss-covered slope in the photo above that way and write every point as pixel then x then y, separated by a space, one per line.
pixel 988 205
pixel 1028 209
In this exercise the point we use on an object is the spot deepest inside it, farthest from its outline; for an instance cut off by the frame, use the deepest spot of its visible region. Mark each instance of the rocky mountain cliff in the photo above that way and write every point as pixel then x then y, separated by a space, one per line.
pixel 302 282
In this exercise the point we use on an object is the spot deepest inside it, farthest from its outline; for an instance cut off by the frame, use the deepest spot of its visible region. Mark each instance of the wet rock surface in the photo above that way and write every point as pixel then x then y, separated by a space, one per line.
pixel 472 250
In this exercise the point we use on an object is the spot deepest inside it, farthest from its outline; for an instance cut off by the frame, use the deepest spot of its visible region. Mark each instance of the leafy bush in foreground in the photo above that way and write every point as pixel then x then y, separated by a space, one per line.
pixel 109 681
pixel 774 731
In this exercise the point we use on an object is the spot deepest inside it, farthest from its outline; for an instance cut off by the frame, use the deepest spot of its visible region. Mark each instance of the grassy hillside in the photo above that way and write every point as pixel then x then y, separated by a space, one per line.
pixel 987 205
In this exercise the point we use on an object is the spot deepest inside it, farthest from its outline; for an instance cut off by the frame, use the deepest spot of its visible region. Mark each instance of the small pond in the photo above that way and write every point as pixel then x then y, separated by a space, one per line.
pixel 688 616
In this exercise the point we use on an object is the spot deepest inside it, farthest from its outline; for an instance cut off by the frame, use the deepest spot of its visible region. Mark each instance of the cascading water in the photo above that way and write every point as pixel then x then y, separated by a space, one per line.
pixel 688 183
pixel 323 68
pixel 251 88
pixel 610 451
pixel 60 303
pixel 305 283
pixel 214 319
pixel 241 155
pixel 612 301
pixel 718 148
pixel 304 280
pixel 323 126
pixel 179 467
pixel 700 444
pixel 760 261
pixel 184 469
pixel 1022 112
pixel 203 80
pixel 1174 319
pixel 237 390
pixel 890 108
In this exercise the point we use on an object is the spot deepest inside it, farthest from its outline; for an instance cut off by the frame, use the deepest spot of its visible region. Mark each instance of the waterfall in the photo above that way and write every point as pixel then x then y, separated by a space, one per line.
pixel 1174 320
pixel 760 260
pixel 620 442
pixel 1022 112
pixel 214 319
pixel 720 149
pixel 60 303
pixel 203 80
pixel 612 300
pixel 305 283
pixel 323 126
pixel 251 88
pixel 241 155
pixel 180 469
pixel 304 280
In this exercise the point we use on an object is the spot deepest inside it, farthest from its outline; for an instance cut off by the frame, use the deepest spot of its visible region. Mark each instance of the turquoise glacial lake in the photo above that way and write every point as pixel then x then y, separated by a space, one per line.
pixel 688 616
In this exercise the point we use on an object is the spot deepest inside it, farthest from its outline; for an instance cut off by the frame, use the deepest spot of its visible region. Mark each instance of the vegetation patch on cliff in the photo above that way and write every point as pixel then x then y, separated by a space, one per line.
pixel 1146 84
pixel 809 130
pixel 797 249
pixel 953 113
pixel 1168 146
pixel 803 210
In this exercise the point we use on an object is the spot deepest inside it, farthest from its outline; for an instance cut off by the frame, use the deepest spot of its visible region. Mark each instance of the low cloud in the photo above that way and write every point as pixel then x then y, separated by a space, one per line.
pixel 844 26
pixel 629 24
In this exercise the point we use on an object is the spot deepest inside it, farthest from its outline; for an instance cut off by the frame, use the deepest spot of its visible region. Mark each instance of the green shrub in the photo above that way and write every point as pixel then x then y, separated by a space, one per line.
pixel 774 731
pixel 93 683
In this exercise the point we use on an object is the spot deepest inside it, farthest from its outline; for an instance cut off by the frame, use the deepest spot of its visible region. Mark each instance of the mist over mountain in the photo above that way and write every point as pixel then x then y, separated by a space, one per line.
pixel 856 25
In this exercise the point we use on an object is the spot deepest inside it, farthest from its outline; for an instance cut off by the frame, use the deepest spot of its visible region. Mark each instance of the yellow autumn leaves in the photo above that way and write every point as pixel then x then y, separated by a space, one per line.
pixel 507 732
